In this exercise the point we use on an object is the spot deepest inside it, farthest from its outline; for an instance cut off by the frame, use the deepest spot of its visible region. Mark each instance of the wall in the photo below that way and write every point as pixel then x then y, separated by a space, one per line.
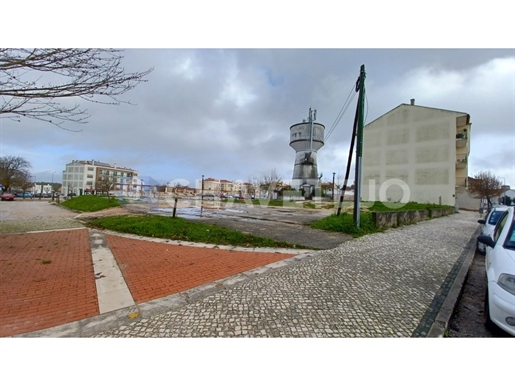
pixel 414 148
pixel 395 219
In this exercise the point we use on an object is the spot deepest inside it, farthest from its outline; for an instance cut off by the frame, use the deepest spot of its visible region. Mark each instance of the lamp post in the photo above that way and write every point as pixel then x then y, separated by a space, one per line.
pixel 52 186
pixel 502 199
pixel 332 187
pixel 202 196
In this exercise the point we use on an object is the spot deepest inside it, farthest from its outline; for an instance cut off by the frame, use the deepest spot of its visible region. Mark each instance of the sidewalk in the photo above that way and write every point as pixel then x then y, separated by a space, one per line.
pixel 62 277
pixel 399 283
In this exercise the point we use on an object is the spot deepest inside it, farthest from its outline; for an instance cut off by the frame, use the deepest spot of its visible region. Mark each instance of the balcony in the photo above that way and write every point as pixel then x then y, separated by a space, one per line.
pixel 461 184
pixel 461 139
pixel 461 163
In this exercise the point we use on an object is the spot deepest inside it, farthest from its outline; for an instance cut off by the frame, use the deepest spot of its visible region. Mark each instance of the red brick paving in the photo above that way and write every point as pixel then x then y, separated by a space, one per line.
pixel 34 295
pixel 153 270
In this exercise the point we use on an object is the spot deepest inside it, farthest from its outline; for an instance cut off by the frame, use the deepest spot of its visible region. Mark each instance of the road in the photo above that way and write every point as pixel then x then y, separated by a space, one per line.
pixel 467 320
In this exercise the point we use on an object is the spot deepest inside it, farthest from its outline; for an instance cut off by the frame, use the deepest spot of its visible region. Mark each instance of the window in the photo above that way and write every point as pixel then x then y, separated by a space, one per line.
pixel 500 226
pixel 510 240
pixel 494 217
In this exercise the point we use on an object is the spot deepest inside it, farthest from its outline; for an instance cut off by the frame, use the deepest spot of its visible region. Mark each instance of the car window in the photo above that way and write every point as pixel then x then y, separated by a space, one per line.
pixel 510 240
pixel 495 216
pixel 500 225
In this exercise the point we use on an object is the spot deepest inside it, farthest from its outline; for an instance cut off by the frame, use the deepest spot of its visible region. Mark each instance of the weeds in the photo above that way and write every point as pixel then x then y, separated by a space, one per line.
pixel 181 229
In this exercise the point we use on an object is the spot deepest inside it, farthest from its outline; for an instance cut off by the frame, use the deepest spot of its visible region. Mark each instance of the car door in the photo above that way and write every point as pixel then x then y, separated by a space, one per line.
pixel 490 252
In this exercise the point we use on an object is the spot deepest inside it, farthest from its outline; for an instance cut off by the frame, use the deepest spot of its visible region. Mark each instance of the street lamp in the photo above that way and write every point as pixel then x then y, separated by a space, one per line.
pixel 332 187
pixel 202 196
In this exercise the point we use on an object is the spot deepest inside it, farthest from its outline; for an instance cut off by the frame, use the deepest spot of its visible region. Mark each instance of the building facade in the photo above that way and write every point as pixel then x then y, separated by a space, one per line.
pixel 225 187
pixel 81 177
pixel 416 153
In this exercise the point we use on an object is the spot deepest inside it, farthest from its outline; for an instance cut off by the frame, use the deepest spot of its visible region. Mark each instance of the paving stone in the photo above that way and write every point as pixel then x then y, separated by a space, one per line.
pixel 380 285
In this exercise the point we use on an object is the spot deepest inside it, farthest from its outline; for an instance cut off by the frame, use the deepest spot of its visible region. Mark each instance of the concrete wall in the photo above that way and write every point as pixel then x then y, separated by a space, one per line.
pixel 410 154
pixel 465 201
pixel 399 218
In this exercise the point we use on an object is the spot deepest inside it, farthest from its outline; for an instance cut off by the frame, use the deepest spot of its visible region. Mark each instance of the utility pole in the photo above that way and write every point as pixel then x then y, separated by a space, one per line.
pixel 359 147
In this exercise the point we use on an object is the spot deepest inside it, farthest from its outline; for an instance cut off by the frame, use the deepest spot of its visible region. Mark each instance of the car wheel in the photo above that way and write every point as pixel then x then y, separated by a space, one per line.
pixel 486 311
pixel 481 252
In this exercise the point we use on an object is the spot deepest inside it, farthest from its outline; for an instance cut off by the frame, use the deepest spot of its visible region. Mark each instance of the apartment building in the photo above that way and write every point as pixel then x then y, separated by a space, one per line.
pixel 81 177
pixel 222 186
pixel 416 153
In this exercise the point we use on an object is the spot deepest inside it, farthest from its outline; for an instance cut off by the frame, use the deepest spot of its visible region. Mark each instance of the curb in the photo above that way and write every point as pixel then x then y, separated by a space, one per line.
pixel 444 316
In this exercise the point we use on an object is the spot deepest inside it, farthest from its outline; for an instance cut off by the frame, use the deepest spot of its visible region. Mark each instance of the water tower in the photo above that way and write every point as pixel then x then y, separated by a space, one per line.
pixel 306 138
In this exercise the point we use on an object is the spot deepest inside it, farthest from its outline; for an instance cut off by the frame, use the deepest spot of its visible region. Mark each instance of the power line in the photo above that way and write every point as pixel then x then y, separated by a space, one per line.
pixel 344 108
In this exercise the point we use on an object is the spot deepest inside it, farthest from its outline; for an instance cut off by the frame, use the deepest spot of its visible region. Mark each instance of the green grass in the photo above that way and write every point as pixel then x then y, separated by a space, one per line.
pixel 181 229
pixel 345 224
pixel 90 203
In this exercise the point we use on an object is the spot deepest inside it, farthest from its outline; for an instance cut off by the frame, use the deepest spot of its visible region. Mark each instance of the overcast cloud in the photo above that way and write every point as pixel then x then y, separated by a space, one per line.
pixel 227 113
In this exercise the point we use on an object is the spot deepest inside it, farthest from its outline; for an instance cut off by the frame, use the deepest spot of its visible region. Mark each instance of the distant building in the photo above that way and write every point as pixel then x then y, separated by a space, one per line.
pixel 416 153
pixel 219 187
pixel 81 177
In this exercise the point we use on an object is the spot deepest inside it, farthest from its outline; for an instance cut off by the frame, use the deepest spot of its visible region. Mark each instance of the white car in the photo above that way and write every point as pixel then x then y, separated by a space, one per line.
pixel 500 273
pixel 488 224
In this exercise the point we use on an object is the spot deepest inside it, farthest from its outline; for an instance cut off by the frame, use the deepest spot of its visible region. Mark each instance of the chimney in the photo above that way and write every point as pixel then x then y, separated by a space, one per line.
pixel 412 102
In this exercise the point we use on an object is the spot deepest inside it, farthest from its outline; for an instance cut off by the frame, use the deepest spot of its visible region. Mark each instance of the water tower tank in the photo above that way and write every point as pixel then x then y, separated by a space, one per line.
pixel 306 139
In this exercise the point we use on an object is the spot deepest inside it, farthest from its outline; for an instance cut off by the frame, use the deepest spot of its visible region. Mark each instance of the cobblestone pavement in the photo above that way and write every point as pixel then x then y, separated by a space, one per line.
pixel 382 285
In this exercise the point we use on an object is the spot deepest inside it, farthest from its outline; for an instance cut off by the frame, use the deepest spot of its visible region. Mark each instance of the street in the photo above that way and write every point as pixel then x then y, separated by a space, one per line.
pixel 467 320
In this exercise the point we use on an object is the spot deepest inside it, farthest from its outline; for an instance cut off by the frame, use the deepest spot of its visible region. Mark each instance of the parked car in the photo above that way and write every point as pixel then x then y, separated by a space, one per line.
pixel 488 224
pixel 500 273
pixel 24 194
pixel 7 196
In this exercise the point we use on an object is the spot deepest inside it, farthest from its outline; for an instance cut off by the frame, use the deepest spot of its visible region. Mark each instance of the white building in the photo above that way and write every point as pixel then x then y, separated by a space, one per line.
pixel 82 177
pixel 415 153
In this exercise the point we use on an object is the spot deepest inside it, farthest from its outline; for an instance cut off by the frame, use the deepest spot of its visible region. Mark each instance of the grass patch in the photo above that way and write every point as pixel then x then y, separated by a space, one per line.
pixel 345 224
pixel 91 203
pixel 181 229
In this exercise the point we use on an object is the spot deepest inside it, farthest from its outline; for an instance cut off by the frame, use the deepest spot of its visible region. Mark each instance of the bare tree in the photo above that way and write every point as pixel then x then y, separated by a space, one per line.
pixel 34 82
pixel 485 185
pixel 254 188
pixel 269 182
pixel 14 171
pixel 106 183
pixel 23 181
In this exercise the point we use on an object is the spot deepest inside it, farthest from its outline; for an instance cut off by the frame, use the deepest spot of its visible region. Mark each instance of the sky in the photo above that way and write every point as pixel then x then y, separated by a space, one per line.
pixel 224 111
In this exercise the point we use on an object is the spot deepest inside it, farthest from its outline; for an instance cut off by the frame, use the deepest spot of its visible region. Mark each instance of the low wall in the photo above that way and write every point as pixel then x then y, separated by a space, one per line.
pixel 404 217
